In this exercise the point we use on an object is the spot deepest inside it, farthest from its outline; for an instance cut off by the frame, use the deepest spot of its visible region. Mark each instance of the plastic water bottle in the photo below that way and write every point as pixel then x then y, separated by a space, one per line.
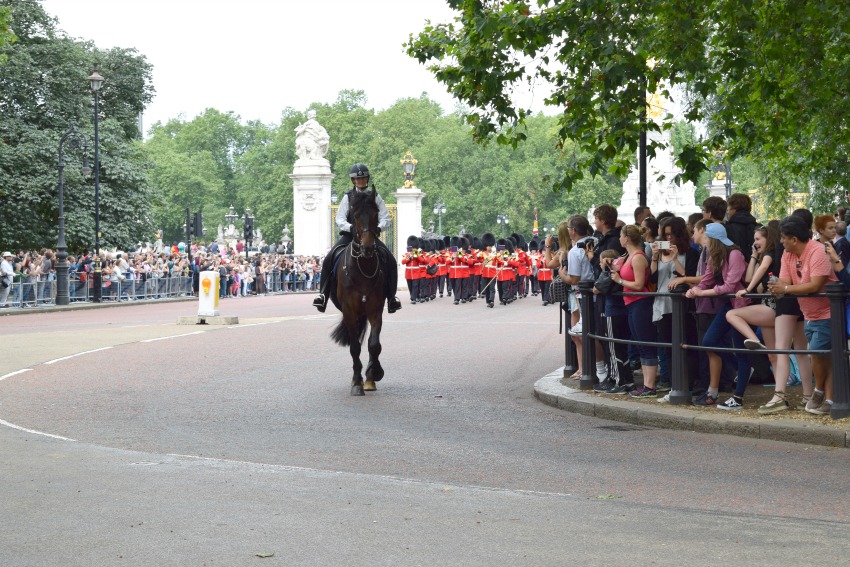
pixel 771 279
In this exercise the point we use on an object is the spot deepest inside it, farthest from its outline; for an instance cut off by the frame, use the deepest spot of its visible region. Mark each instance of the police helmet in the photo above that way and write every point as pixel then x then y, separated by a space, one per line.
pixel 358 171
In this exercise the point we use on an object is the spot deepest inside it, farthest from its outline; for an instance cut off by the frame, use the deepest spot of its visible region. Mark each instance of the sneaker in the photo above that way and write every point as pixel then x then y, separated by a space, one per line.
pixel 620 389
pixel 575 330
pixel 706 400
pixel 644 392
pixel 822 409
pixel 319 303
pixel 664 400
pixel 816 402
pixel 732 404
pixel 753 344
pixel 604 386
pixel 777 406
pixel 663 386
pixel 804 401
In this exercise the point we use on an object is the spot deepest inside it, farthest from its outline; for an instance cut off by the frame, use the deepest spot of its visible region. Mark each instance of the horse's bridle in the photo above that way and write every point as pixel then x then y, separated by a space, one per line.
pixel 356 251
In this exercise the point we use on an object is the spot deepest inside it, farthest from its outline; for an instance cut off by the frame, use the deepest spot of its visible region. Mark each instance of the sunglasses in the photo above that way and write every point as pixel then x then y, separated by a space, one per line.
pixel 799 269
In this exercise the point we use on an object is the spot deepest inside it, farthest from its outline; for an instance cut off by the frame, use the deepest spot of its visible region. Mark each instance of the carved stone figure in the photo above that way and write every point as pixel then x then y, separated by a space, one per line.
pixel 311 139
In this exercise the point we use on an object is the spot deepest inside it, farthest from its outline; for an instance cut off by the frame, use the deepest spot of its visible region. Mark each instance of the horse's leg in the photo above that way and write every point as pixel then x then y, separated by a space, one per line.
pixel 374 371
pixel 354 348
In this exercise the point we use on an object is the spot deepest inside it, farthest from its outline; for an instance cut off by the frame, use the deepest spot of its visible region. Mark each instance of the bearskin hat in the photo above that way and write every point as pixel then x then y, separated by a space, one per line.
pixel 413 242
pixel 509 245
pixel 454 242
pixel 464 243
pixel 446 242
pixel 502 243
pixel 487 239
pixel 534 245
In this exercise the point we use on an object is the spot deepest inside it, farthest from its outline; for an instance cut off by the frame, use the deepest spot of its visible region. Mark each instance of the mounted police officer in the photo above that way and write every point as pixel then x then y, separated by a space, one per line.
pixel 359 175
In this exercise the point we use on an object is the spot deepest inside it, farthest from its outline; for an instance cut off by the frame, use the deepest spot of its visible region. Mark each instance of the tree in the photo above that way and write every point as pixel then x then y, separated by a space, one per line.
pixel 43 88
pixel 770 78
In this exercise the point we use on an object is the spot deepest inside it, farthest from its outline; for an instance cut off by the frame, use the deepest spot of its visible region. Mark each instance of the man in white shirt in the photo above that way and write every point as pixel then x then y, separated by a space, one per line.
pixel 7 274
pixel 359 175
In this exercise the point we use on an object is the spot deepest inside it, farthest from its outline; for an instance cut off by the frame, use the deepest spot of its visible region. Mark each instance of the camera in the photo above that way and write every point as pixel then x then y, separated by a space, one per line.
pixel 664 245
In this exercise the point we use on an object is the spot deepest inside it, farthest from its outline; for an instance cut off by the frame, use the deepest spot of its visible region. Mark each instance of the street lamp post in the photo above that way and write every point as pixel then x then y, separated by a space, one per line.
pixel 502 219
pixel 231 216
pixel 96 81
pixel 440 210
pixel 248 230
pixel 75 141
pixel 548 228
pixel 409 166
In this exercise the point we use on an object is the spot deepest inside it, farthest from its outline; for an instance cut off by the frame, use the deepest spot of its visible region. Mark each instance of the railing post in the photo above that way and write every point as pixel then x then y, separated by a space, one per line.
pixel 679 392
pixel 840 367
pixel 588 345
pixel 569 360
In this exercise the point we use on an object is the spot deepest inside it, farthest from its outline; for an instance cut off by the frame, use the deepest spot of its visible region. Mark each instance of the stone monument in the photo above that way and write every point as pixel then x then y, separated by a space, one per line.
pixel 662 194
pixel 409 209
pixel 311 188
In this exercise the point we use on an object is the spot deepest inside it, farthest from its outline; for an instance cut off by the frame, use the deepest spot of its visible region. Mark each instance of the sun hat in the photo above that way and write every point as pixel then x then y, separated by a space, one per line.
pixel 717 231
pixel 7 254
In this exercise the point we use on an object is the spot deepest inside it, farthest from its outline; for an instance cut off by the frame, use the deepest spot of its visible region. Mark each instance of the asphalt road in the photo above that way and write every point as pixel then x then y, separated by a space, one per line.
pixel 129 440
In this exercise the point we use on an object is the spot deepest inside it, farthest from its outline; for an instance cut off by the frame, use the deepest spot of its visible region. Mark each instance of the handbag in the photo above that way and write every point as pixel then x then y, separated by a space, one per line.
pixel 557 290
pixel 432 269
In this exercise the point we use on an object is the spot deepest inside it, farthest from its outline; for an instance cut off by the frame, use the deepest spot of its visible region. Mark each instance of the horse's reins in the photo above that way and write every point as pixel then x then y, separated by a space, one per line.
pixel 357 253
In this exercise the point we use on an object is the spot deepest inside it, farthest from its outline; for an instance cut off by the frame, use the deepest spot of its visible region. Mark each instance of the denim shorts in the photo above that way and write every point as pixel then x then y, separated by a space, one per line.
pixel 818 335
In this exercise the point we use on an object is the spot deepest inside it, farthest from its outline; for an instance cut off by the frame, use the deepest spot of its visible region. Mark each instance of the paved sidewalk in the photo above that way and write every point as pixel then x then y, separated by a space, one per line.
pixel 817 431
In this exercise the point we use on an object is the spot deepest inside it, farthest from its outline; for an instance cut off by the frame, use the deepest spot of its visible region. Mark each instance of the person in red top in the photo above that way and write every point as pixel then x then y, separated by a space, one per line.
pixel 458 269
pixel 633 274
pixel 443 269
pixel 806 268
pixel 477 257
pixel 489 272
pixel 412 272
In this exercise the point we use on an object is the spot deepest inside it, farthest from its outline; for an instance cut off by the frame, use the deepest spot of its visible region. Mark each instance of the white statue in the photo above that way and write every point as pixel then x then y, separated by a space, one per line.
pixel 311 139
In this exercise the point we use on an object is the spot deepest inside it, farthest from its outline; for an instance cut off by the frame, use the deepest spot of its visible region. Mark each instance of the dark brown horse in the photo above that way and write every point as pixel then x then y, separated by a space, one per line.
pixel 360 291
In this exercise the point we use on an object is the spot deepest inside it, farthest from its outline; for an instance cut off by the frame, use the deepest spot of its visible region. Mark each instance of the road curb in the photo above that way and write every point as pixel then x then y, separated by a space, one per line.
pixel 551 391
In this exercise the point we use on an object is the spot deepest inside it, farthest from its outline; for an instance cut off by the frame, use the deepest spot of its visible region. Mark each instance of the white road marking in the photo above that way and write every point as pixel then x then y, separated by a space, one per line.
pixel 252 324
pixel 55 360
pixel 34 432
pixel 15 373
pixel 172 337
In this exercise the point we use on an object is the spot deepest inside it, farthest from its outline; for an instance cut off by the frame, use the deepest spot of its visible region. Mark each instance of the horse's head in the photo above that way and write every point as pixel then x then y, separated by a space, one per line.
pixel 364 209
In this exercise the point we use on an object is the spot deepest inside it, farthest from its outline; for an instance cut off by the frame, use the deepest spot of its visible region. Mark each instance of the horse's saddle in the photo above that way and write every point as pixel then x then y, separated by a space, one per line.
pixel 337 259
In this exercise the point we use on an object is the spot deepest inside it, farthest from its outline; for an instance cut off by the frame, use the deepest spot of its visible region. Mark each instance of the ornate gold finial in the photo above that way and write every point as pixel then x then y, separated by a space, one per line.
pixel 409 166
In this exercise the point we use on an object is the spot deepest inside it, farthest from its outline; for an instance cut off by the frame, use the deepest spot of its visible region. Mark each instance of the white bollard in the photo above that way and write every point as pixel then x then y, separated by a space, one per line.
pixel 208 294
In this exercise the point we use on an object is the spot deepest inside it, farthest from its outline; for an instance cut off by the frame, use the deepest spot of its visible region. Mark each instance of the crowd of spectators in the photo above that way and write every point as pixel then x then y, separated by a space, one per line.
pixel 171 270
pixel 749 285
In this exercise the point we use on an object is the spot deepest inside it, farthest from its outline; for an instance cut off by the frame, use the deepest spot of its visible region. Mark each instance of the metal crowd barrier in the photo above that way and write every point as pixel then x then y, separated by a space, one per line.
pixel 680 393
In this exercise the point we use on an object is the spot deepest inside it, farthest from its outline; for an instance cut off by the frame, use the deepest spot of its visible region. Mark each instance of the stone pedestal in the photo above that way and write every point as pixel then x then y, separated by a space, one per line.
pixel 717 188
pixel 311 192
pixel 409 209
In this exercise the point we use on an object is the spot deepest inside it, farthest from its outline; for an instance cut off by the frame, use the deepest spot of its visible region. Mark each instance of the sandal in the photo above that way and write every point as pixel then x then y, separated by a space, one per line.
pixel 576 376
pixel 777 404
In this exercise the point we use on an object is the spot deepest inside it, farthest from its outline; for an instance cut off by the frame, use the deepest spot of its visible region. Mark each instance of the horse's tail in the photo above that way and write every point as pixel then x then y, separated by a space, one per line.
pixel 340 334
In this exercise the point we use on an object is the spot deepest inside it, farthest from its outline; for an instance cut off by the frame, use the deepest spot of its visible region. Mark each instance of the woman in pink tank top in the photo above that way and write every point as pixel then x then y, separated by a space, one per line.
pixel 633 275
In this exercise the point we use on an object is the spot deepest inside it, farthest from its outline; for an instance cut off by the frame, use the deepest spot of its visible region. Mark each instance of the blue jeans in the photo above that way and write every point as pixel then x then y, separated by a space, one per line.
pixel 640 324
pixel 715 337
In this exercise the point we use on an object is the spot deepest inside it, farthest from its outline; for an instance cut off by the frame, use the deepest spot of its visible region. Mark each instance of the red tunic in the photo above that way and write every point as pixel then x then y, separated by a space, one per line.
pixel 412 269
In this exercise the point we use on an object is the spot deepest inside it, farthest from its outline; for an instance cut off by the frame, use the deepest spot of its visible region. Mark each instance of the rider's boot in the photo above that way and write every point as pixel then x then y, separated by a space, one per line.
pixel 321 301
pixel 393 304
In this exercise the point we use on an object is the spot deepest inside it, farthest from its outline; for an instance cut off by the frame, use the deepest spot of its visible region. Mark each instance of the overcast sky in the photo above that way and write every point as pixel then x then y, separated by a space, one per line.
pixel 257 57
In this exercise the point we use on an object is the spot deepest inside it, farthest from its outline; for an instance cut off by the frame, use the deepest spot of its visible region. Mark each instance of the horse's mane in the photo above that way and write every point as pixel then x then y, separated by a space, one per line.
pixel 363 202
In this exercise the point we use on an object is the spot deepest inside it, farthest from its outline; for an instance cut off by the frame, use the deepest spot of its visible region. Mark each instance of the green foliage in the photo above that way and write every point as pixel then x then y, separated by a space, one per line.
pixel 771 78
pixel 43 88
pixel 211 162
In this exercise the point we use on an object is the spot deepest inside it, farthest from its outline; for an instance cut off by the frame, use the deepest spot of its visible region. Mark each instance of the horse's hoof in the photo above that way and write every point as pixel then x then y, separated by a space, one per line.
pixel 357 391
pixel 369 386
